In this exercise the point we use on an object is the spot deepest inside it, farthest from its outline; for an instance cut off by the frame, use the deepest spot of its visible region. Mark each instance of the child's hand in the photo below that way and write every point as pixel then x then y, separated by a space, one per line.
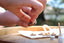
pixel 16 7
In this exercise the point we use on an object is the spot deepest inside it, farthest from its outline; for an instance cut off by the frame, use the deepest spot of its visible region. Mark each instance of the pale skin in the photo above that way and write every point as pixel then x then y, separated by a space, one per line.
pixel 25 10
pixel 9 19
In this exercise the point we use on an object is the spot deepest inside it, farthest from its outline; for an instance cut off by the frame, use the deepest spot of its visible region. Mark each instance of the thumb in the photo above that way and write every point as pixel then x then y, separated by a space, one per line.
pixel 27 10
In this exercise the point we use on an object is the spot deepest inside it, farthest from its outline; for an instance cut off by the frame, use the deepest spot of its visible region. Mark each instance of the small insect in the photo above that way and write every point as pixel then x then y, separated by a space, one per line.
pixel 41 34
pixel 33 34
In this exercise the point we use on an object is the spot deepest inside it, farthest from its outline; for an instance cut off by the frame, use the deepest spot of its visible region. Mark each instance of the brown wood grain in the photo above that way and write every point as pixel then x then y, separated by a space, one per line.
pixel 5 38
pixel 11 30
pixel 20 39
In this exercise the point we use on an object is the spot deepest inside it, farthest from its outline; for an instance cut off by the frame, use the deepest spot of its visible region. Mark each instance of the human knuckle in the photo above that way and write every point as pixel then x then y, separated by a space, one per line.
pixel 45 1
pixel 40 6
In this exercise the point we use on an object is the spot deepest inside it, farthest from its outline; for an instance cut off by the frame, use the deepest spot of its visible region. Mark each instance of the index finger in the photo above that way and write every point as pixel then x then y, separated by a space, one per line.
pixel 43 2
pixel 37 8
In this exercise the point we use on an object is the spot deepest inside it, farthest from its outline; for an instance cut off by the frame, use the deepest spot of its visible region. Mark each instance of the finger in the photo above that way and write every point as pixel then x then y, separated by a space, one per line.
pixel 36 10
pixel 22 23
pixel 26 9
pixel 23 17
pixel 43 2
pixel 35 22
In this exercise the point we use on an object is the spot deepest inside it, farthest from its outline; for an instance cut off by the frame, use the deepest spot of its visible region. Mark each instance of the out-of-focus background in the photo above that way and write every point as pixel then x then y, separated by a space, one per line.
pixel 53 13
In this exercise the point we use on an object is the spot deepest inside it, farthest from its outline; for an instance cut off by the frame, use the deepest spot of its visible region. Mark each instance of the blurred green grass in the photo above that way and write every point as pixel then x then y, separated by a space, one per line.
pixel 52 21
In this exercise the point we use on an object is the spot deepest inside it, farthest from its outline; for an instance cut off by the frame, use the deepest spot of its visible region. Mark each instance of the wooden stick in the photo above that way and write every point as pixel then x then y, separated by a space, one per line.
pixel 59 28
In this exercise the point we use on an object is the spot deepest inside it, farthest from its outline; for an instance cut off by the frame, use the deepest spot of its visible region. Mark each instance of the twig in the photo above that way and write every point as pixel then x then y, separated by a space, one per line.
pixel 59 28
